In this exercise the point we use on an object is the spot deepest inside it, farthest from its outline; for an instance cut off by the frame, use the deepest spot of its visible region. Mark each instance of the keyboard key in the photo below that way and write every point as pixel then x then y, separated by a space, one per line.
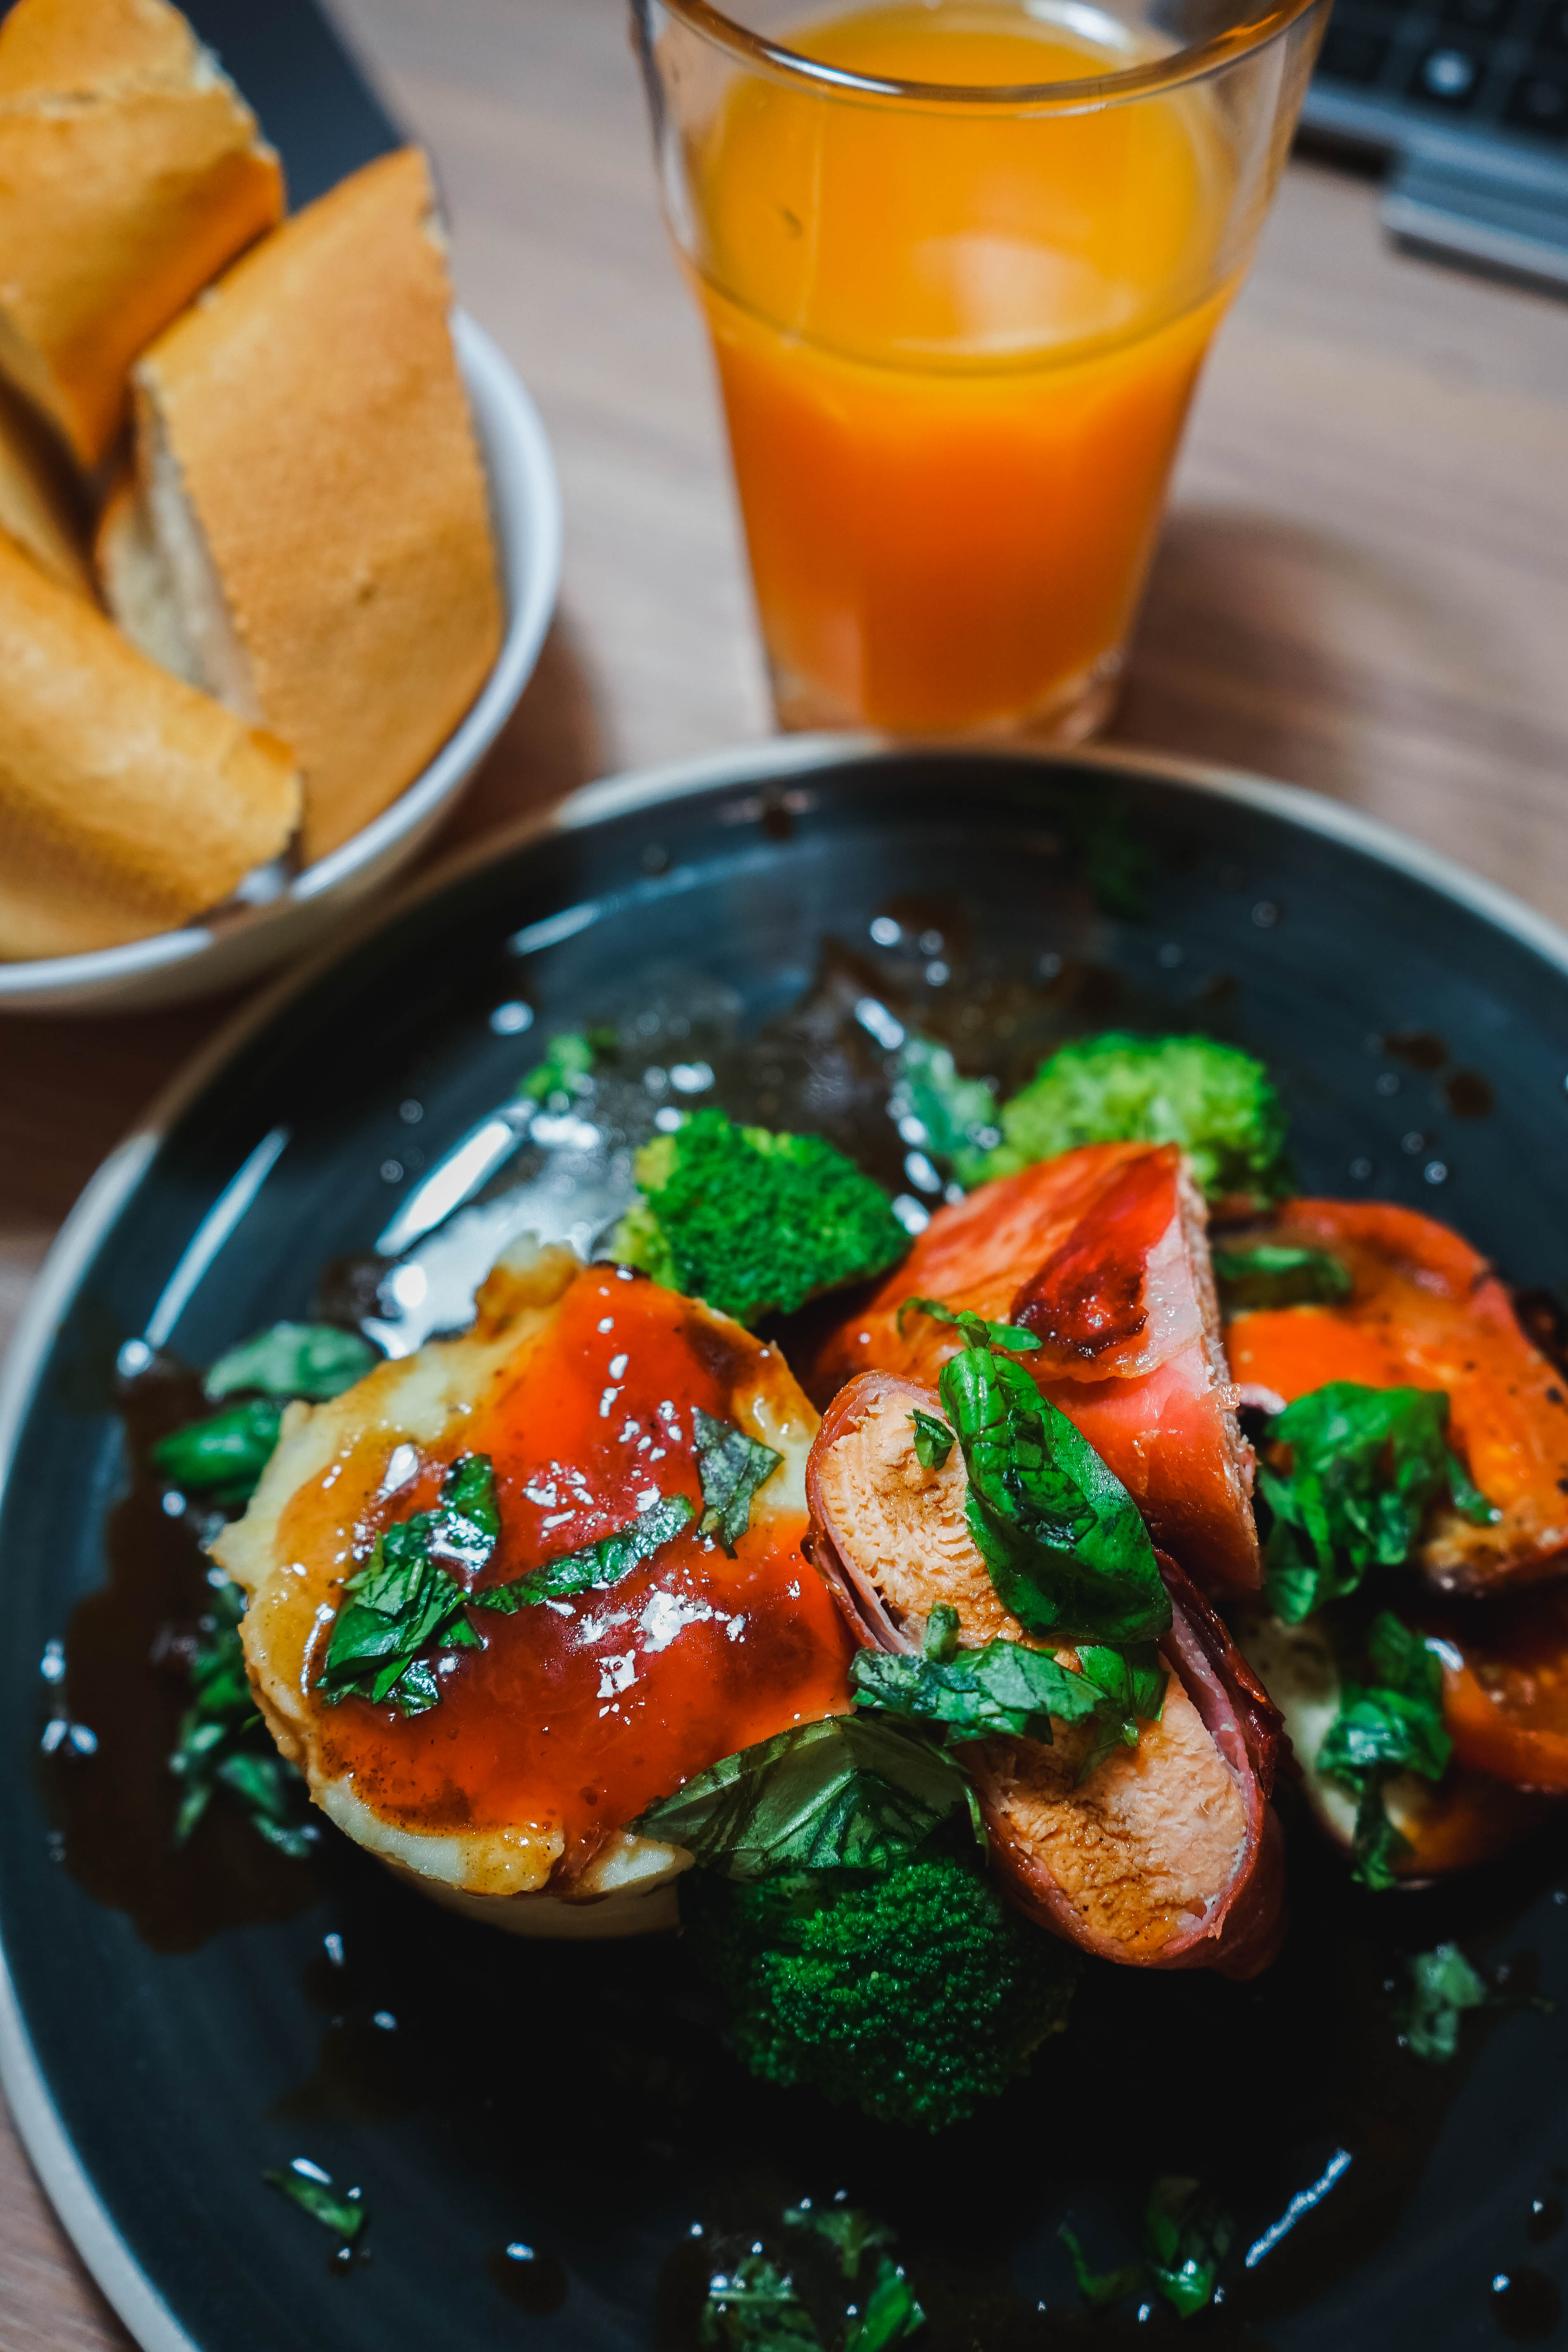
pixel 1351 55
pixel 1488 17
pixel 1447 75
pixel 1539 102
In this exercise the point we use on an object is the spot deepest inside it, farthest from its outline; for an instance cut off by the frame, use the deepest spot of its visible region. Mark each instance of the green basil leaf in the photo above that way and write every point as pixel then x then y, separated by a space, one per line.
pixel 732 1466
pixel 1366 1465
pixel 315 1360
pixel 933 1440
pixel 977 1332
pixel 1100 2289
pixel 1132 1679
pixel 1274 1275
pixel 1189 2234
pixel 598 1564
pixel 1392 1721
pixel 752 2306
pixel 568 1058
pixel 844 2227
pixel 222 1742
pixel 401 1600
pixel 1068 1551
pixel 1439 1986
pixel 1383 1730
pixel 1377 1846
pixel 848 1794
pixel 228 1451
pixel 958 1115
pixel 345 2216
pixel 939 1640
pixel 1003 1690
pixel 1466 1495
pixel 891 2314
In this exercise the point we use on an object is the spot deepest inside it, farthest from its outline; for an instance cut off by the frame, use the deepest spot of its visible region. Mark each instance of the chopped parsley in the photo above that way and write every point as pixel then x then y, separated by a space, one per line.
pixel 1366 1465
pixel 731 1467
pixel 1392 1722
pixel 223 1744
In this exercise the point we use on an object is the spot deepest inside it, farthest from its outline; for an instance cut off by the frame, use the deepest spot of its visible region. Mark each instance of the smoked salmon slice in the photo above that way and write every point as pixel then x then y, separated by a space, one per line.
pixel 1167 1855
pixel 1425 1310
pixel 1103 1256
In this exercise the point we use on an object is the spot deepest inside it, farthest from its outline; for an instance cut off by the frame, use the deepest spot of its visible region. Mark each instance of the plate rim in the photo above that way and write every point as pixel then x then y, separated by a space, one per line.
pixel 69 2185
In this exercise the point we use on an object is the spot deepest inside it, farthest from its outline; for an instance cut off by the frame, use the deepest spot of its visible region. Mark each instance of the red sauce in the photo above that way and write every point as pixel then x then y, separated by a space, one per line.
pixel 1088 1296
pixel 584 1711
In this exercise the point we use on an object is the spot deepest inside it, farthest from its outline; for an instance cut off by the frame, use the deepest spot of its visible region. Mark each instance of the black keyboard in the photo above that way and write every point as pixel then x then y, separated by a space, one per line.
pixel 1470 99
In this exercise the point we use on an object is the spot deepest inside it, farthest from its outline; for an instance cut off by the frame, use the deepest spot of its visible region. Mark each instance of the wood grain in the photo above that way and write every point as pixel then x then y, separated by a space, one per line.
pixel 1363 585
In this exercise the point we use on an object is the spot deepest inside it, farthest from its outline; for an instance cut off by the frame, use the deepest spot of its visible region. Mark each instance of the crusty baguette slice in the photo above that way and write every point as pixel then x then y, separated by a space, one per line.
pixel 128 802
pixel 313 499
pixel 37 508
pixel 130 172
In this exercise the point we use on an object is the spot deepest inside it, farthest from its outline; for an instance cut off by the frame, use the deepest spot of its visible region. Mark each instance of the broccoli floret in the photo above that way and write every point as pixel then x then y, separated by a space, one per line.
pixel 916 1993
pixel 1214 1100
pixel 754 1222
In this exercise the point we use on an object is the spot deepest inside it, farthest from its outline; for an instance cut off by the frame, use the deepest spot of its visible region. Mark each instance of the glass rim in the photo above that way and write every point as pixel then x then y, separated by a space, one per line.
pixel 1049 97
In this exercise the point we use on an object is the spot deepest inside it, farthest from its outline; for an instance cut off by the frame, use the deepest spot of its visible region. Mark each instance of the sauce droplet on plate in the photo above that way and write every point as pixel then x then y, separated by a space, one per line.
pixel 1525 2304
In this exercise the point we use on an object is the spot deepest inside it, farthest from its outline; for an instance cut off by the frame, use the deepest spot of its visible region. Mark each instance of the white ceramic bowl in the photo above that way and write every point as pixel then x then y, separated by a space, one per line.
pixel 242 941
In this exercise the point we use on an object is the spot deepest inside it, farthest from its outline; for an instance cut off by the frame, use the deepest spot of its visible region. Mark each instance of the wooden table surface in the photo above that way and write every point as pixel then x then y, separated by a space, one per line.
pixel 1362 584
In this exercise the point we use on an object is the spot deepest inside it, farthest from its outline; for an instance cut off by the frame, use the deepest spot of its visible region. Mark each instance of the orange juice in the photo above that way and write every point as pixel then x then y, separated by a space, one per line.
pixel 956 343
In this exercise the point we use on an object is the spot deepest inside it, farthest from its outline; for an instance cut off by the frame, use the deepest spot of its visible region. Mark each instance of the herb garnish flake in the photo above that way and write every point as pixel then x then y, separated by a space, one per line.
pixel 1365 1466
pixel 731 1467
pixel 218 1745
pixel 402 1601
pixel 1392 1722
pixel 846 1793
pixel 597 1565
pixel 315 1360
pixel 1279 1274
pixel 933 1440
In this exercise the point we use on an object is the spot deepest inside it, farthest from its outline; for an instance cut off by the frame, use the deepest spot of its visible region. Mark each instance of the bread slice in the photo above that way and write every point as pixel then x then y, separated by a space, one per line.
pixel 128 802
pixel 130 172
pixel 38 508
pixel 312 539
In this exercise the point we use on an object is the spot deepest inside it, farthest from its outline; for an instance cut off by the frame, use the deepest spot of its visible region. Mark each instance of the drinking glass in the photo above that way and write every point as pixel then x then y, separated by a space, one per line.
pixel 961 261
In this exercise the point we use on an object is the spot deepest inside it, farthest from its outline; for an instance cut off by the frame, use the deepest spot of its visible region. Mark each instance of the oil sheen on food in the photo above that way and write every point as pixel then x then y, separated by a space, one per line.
pixel 957 356
pixel 579 1713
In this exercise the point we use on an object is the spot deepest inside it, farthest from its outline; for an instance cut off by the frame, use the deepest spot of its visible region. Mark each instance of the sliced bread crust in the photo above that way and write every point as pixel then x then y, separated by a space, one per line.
pixel 309 469
pixel 130 172
pixel 129 802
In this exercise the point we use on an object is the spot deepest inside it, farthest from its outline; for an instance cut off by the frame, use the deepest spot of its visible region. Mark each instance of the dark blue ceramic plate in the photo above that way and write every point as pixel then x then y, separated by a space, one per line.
pixel 171 2026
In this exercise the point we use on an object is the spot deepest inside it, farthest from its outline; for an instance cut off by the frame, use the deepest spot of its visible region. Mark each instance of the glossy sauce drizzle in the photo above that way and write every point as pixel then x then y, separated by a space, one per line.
pixel 580 1712
pixel 1089 1294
